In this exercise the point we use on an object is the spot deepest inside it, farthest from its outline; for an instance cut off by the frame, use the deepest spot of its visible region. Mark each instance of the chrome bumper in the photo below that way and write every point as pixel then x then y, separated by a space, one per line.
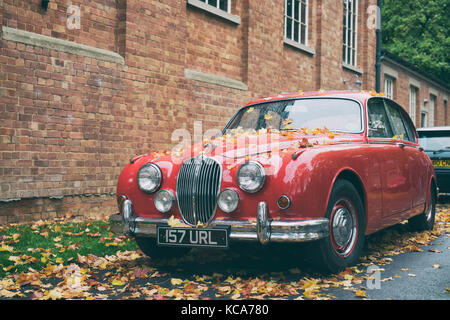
pixel 262 229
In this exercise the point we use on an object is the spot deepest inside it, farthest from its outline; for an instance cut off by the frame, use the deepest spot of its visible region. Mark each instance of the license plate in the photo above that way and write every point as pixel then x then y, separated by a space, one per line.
pixel 191 237
pixel 441 163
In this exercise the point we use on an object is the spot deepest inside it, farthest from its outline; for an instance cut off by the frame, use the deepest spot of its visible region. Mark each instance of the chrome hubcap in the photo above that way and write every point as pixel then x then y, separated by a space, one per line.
pixel 344 228
pixel 430 210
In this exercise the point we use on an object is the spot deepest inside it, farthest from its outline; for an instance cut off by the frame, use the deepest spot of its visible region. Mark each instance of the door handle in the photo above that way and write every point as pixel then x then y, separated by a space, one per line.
pixel 400 144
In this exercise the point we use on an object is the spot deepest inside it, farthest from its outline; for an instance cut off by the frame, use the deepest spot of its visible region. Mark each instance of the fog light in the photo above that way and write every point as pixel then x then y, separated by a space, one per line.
pixel 228 200
pixel 284 202
pixel 164 200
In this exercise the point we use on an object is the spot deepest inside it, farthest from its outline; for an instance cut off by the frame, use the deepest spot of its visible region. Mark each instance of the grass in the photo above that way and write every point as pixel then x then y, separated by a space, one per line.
pixel 35 245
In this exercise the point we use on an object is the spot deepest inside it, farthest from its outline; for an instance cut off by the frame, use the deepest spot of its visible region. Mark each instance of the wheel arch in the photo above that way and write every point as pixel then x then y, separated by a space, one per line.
pixel 353 177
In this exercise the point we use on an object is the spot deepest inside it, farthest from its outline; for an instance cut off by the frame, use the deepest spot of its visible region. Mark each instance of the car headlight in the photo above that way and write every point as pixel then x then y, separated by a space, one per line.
pixel 250 176
pixel 228 200
pixel 164 200
pixel 149 178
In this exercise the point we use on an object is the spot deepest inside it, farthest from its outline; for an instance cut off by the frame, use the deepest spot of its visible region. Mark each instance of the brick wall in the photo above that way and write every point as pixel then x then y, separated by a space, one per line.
pixel 404 78
pixel 70 122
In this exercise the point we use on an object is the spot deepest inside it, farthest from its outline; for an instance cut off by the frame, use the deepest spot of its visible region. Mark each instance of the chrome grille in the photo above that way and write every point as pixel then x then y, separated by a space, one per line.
pixel 198 185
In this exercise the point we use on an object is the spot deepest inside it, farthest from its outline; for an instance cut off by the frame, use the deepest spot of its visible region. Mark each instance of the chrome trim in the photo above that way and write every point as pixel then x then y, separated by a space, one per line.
pixel 289 202
pixel 263 229
pixel 184 184
pixel 262 223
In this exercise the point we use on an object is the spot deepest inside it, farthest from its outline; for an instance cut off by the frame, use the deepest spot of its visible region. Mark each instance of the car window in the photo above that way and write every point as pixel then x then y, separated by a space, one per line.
pixel 379 126
pixel 409 125
pixel 397 121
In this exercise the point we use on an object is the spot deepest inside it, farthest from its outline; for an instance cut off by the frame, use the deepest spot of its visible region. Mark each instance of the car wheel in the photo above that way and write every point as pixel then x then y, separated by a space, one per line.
pixel 150 249
pixel 346 216
pixel 425 220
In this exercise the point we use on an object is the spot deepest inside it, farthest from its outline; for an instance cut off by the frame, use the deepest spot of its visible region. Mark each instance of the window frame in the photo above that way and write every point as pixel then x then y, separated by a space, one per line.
pixel 351 25
pixel 301 23
pixel 376 99
pixel 403 118
pixel 431 110
pixel 217 6
pixel 413 102
pixel 389 83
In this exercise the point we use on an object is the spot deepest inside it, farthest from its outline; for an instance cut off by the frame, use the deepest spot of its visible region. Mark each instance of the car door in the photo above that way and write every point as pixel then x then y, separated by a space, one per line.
pixel 406 134
pixel 394 165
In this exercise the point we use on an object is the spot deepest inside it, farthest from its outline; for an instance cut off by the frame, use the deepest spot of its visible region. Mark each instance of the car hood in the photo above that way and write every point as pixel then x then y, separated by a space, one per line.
pixel 239 146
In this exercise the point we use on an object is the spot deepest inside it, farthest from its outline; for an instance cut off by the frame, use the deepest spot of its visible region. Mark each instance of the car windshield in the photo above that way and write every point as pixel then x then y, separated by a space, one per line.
pixel 435 140
pixel 341 115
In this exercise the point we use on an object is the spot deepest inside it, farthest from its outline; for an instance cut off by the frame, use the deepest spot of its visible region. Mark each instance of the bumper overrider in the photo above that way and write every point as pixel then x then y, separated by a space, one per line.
pixel 263 229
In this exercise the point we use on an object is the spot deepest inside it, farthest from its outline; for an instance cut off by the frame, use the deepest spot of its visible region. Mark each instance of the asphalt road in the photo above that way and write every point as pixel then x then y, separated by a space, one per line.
pixel 413 276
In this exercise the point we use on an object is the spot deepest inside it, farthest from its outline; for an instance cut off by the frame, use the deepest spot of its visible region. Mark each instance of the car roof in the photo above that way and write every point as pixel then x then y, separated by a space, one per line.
pixel 443 128
pixel 360 95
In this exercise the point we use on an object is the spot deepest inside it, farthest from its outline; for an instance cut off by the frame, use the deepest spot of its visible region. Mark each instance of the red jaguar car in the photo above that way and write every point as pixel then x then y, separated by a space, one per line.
pixel 327 167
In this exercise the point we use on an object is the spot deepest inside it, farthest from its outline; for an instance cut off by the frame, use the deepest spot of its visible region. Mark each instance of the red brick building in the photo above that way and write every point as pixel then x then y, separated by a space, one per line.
pixel 85 85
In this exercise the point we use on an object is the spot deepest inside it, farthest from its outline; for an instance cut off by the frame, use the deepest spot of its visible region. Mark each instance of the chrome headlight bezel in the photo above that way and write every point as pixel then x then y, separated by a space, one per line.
pixel 157 201
pixel 236 200
pixel 156 171
pixel 259 181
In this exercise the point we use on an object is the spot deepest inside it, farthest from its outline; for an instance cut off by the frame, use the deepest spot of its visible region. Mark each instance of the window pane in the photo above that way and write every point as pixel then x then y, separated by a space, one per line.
pixel 296 30
pixel 335 114
pixel 289 28
pixel 397 122
pixel 379 126
pixel 223 5
pixel 303 12
pixel 296 9
pixel 213 2
pixel 303 34
pixel 289 8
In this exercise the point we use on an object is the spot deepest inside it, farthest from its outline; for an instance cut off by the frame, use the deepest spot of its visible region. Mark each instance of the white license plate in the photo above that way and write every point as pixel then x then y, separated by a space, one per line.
pixel 192 237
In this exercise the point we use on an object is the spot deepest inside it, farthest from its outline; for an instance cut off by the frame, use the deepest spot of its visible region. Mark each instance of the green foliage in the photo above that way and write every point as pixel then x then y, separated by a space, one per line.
pixel 419 32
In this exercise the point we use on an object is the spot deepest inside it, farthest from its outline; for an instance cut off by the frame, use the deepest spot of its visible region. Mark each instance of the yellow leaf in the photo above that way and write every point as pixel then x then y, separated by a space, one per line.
pixel 175 281
pixel 117 282
pixel 250 109
pixel 268 116
pixel 5 247
pixel 360 293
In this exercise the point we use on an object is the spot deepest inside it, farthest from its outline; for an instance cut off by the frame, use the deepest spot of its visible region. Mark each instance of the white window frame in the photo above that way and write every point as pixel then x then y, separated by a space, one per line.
pixel 413 103
pixel 350 23
pixel 218 5
pixel 300 23
pixel 433 99
pixel 389 86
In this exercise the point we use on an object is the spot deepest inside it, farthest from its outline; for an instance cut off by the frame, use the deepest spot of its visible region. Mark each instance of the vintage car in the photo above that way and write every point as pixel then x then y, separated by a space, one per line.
pixel 328 167
pixel 436 142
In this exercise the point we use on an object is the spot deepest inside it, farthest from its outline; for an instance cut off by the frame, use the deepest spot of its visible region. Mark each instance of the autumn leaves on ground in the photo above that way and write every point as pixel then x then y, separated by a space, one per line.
pixel 84 260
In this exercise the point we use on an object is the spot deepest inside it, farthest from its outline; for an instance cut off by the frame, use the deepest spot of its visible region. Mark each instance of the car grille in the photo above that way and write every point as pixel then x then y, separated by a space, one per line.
pixel 198 185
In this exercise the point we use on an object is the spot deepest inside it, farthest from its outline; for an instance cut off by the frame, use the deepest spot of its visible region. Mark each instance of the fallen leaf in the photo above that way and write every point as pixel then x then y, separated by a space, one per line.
pixel 360 293
pixel 175 281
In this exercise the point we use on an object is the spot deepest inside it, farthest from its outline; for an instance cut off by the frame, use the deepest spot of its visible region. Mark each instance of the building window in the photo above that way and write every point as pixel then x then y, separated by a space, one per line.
pixel 296 20
pixel 350 32
pixel 432 110
pixel 224 5
pixel 412 103
pixel 445 113
pixel 423 119
pixel 389 87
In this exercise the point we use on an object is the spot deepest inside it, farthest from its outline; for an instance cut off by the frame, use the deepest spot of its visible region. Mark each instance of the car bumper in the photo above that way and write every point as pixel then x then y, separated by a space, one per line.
pixel 262 229
pixel 443 180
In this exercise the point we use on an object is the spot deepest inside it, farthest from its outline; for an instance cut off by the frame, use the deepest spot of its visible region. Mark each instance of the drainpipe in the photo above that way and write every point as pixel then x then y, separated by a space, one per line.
pixel 378 54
